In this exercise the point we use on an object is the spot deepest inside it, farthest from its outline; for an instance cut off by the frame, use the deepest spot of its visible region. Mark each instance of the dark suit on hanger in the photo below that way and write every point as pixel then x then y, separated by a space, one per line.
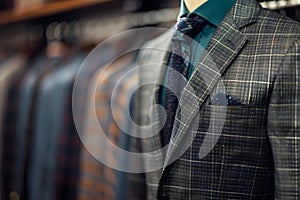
pixel 256 56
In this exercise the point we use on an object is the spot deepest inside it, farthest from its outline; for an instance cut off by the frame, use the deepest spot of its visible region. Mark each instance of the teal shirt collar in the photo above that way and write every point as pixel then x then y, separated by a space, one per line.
pixel 213 10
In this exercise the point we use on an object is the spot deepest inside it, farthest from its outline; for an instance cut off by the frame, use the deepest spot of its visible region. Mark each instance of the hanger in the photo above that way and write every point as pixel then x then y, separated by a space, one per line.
pixel 61 39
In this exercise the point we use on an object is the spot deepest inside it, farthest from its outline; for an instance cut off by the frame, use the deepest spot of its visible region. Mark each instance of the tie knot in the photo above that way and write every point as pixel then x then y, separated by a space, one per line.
pixel 190 26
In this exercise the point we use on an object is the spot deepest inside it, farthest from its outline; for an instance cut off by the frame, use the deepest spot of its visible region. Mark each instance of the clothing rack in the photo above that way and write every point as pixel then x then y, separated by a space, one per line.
pixel 92 29
pixel 86 30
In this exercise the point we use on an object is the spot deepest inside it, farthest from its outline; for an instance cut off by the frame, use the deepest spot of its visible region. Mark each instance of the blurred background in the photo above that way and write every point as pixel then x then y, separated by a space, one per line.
pixel 42 45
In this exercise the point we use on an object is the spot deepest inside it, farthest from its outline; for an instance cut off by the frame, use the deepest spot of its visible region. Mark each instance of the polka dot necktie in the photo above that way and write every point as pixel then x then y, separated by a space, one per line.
pixel 186 29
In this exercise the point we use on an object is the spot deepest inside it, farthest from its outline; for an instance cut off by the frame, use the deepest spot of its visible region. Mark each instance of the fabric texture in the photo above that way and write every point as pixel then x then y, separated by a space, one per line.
pixel 252 61
pixel 185 31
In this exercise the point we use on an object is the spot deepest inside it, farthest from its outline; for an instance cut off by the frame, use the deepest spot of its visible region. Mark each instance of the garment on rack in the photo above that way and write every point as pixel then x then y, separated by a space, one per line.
pixel 43 155
pixel 98 181
pixel 9 123
pixel 48 123
pixel 123 104
pixel 67 155
pixel 66 80
pixel 69 144
pixel 9 70
pixel 27 110
pixel 83 79
pixel 145 98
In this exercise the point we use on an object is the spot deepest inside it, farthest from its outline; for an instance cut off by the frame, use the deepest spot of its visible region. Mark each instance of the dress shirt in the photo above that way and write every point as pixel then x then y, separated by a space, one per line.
pixel 213 11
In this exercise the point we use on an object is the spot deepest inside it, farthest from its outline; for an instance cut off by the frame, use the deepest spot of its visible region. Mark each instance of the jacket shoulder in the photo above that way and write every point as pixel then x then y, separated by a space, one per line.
pixel 279 23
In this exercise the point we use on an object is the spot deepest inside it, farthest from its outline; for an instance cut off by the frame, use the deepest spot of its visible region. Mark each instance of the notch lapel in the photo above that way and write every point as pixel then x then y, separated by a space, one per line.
pixel 223 48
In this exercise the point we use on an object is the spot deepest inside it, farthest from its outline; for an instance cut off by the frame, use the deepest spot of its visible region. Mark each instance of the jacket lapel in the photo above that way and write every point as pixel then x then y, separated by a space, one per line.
pixel 224 46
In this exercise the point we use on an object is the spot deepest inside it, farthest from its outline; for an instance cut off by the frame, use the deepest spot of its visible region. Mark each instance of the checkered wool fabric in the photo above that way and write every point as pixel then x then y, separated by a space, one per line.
pixel 255 54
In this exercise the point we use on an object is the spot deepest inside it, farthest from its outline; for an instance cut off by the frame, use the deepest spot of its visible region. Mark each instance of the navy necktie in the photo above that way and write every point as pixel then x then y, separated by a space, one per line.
pixel 186 29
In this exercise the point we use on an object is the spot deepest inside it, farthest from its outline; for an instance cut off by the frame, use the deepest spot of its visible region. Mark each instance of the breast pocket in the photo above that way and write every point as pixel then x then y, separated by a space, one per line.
pixel 237 118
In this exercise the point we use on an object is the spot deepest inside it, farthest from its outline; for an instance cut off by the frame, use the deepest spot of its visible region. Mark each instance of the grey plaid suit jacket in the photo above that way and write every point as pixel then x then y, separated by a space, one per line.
pixel 253 60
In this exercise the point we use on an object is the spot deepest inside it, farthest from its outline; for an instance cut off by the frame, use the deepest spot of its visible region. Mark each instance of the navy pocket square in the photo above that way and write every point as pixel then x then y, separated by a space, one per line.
pixel 222 99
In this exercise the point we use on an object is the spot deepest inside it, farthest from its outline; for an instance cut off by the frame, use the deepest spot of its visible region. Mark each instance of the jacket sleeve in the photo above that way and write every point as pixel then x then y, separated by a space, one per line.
pixel 284 125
